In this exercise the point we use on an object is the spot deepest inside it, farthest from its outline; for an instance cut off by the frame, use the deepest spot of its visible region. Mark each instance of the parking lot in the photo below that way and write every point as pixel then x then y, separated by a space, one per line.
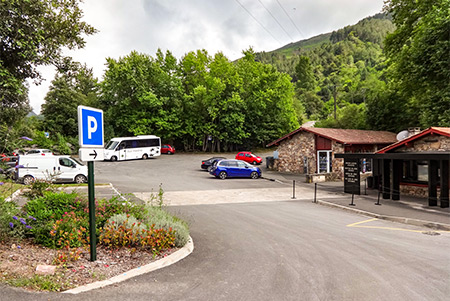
pixel 179 172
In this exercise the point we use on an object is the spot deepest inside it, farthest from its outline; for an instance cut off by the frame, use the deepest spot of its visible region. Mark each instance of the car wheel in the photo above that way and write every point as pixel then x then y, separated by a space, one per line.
pixel 80 179
pixel 27 180
pixel 169 152
pixel 254 162
pixel 254 175
pixel 209 168
pixel 113 158
pixel 222 175
pixel 145 157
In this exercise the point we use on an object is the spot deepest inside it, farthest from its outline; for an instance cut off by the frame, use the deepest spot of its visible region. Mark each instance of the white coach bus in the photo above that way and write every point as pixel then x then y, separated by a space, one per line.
pixel 128 148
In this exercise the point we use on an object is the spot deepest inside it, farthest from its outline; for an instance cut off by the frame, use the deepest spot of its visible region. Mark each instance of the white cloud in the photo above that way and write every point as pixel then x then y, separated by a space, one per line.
pixel 181 26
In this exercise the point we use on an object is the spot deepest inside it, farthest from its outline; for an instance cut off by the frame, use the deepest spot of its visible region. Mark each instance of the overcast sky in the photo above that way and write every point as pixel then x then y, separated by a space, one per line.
pixel 229 26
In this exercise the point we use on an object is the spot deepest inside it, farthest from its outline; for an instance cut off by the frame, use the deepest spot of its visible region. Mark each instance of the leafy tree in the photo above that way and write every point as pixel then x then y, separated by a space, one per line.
pixel 351 116
pixel 74 85
pixel 418 52
pixel 32 33
pixel 142 95
pixel 268 96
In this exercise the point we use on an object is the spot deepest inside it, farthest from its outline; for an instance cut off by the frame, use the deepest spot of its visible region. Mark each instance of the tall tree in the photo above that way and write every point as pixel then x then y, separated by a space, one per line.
pixel 418 52
pixel 32 33
pixel 74 84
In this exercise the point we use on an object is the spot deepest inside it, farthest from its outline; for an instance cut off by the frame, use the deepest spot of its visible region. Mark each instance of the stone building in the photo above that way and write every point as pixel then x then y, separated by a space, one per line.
pixel 424 164
pixel 311 150
pixel 417 165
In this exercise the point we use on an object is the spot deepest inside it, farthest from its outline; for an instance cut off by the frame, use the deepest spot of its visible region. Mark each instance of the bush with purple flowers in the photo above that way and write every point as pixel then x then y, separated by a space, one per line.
pixel 21 227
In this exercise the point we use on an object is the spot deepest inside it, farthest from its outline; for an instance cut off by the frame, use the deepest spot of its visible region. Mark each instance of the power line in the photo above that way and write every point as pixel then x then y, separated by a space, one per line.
pixel 260 24
pixel 275 19
pixel 290 18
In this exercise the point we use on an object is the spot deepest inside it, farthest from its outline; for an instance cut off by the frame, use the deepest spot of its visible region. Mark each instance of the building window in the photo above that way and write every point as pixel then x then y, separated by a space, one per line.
pixel 324 162
pixel 415 171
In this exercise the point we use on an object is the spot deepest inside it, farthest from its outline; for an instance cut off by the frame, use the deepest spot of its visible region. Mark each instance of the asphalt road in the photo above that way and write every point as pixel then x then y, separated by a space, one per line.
pixel 283 250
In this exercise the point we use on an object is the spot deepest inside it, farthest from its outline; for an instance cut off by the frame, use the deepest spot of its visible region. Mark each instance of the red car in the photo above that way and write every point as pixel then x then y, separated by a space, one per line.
pixel 249 157
pixel 167 149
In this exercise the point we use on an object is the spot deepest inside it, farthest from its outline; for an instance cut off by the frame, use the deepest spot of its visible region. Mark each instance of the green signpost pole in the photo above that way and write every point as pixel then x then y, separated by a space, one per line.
pixel 91 192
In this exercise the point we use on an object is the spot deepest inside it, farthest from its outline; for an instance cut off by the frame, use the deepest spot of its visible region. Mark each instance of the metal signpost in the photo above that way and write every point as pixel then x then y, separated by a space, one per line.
pixel 90 133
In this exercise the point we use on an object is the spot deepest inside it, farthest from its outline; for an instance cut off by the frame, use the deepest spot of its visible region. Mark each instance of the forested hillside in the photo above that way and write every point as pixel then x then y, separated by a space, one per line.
pixel 344 67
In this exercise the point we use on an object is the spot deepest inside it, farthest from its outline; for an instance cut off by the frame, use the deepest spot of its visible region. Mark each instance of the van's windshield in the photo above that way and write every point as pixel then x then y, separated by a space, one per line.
pixel 76 160
pixel 112 145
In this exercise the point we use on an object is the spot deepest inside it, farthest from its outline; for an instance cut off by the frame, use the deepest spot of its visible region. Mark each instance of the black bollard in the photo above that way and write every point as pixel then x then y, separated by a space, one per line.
pixel 315 192
pixel 352 204
pixel 293 189
pixel 378 200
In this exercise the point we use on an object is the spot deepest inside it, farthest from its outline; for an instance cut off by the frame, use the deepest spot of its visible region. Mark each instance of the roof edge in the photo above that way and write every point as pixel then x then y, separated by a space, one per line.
pixel 431 130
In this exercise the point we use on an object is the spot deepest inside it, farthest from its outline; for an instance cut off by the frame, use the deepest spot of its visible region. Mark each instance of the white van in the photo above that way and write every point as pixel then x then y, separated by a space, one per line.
pixel 54 168
pixel 128 148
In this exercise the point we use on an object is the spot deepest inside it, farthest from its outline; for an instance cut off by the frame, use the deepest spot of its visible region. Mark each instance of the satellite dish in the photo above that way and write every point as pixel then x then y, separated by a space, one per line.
pixel 402 135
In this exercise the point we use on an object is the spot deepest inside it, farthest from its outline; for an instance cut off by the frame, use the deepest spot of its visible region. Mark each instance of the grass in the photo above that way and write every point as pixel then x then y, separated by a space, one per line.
pixel 37 282
pixel 8 188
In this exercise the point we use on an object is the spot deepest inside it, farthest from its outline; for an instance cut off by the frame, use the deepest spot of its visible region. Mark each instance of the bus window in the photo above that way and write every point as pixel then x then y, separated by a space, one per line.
pixel 154 142
pixel 112 145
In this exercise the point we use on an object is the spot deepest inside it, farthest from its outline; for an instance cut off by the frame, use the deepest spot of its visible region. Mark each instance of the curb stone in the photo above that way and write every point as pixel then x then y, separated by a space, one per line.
pixel 164 262
pixel 397 219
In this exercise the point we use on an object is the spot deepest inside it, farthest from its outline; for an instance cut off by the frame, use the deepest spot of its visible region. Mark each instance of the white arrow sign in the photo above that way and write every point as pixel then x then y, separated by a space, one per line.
pixel 91 154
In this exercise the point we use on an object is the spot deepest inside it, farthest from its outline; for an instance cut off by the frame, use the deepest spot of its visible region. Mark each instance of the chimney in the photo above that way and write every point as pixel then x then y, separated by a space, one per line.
pixel 413 130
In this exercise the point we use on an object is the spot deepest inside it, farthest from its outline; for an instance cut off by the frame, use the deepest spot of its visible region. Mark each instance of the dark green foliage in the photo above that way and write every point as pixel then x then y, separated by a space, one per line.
pixel 205 102
pixel 418 52
pixel 33 33
pixel 74 85
pixel 7 211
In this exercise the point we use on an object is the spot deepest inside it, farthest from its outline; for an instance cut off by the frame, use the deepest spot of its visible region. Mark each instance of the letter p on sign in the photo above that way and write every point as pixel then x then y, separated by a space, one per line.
pixel 90 127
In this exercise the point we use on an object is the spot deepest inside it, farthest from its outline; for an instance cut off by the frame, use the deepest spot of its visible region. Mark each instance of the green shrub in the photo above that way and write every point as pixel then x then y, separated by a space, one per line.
pixel 50 208
pixel 38 188
pixel 163 219
pixel 7 211
pixel 71 231
pixel 105 209
pixel 132 234
pixel 53 205
pixel 129 221
pixel 62 145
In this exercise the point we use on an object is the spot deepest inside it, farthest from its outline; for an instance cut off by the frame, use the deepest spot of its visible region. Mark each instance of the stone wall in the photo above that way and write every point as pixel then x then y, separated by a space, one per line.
pixel 292 154
pixel 427 143
pixel 337 165
pixel 417 191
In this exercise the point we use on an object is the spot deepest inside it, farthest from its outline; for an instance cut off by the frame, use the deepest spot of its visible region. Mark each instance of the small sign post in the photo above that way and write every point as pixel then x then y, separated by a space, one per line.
pixel 90 133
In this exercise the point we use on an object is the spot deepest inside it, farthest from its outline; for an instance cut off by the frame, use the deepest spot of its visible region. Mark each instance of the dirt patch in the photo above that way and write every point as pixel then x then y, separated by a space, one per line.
pixel 19 260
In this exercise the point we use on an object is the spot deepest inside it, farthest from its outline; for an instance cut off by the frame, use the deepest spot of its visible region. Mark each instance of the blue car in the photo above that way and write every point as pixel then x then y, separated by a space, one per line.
pixel 234 168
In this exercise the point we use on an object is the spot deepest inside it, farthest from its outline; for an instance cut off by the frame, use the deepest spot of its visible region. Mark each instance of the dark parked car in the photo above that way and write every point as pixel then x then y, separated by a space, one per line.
pixel 167 149
pixel 234 168
pixel 208 163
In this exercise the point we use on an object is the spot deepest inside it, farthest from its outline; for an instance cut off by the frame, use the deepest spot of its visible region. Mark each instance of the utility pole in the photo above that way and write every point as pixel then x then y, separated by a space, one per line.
pixel 334 97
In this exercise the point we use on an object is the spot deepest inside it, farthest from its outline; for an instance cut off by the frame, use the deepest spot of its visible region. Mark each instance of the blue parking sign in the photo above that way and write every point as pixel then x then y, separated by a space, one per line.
pixel 90 127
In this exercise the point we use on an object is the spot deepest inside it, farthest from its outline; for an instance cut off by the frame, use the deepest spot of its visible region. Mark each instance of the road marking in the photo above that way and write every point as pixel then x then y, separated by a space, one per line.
pixel 366 221
pixel 357 225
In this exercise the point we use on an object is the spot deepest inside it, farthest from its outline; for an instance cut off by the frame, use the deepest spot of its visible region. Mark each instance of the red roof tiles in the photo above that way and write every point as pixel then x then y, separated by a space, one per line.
pixel 346 136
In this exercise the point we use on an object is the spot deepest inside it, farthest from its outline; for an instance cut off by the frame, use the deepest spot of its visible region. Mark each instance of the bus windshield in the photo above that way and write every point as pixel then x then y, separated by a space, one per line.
pixel 112 145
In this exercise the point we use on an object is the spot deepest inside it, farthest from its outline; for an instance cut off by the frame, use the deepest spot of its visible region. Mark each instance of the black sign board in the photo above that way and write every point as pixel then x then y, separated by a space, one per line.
pixel 351 176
